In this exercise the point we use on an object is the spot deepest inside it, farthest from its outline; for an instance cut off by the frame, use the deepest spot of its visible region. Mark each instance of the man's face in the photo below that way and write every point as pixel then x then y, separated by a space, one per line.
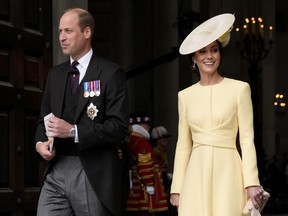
pixel 73 41
pixel 163 141
pixel 146 126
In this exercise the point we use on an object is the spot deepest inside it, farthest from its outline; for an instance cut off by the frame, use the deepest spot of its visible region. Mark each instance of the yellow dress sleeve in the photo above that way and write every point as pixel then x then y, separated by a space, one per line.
pixel 246 135
pixel 183 147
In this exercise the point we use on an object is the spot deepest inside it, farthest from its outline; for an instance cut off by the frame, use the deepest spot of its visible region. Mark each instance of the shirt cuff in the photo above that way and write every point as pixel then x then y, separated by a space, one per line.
pixel 76 139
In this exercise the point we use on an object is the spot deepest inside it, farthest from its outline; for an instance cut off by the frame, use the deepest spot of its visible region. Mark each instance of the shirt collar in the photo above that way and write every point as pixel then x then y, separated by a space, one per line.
pixel 83 63
pixel 84 60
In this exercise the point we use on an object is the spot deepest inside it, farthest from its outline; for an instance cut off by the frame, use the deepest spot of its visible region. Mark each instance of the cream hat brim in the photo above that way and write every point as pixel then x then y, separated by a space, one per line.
pixel 206 33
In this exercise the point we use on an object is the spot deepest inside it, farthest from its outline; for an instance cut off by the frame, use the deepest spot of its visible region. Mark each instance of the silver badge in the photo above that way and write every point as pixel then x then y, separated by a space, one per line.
pixel 92 111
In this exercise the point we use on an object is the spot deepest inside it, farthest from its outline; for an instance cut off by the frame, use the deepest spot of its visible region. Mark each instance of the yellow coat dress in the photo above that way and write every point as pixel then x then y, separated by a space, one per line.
pixel 209 173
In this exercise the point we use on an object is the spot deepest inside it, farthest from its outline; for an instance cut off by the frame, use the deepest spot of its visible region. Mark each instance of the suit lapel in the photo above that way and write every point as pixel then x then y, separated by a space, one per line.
pixel 60 85
pixel 92 73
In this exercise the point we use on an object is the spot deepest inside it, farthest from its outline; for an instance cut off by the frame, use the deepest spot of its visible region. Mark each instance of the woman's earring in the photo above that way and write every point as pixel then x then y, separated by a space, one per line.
pixel 194 68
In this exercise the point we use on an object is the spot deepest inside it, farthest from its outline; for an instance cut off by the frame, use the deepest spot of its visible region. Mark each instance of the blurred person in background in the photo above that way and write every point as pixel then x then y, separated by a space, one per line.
pixel 159 139
pixel 147 194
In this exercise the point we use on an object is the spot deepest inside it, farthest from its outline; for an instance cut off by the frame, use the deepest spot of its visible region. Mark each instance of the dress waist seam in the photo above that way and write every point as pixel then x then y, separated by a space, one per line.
pixel 197 145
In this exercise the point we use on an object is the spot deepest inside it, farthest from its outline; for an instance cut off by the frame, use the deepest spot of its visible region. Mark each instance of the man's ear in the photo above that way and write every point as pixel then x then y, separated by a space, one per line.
pixel 87 32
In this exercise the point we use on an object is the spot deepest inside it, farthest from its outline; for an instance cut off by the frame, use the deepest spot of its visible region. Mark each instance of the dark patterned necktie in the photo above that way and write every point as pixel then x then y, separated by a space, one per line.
pixel 74 77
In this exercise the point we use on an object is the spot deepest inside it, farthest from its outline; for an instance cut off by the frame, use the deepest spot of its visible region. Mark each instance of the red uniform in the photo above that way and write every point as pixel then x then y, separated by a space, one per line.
pixel 143 174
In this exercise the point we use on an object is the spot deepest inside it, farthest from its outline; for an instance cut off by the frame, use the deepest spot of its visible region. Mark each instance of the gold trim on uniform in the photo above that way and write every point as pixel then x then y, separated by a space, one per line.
pixel 143 158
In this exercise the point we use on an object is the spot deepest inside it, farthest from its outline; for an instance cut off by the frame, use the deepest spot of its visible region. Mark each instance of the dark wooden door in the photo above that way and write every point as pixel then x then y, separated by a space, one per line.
pixel 25 58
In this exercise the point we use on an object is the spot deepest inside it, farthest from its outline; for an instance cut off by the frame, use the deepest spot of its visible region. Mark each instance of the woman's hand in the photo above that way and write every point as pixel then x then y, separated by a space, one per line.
pixel 256 195
pixel 174 200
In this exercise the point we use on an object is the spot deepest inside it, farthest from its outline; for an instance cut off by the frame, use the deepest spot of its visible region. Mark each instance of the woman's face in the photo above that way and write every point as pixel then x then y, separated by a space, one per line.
pixel 208 58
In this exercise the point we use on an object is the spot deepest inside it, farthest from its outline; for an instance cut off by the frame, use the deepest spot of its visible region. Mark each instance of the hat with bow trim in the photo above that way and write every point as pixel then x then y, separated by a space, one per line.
pixel 215 28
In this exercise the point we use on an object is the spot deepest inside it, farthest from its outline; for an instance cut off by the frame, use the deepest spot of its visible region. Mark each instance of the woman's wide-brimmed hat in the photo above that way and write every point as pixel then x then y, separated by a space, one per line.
pixel 216 28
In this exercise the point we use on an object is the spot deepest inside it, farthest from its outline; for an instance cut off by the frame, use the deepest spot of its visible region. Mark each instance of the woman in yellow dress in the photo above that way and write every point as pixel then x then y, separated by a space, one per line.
pixel 210 177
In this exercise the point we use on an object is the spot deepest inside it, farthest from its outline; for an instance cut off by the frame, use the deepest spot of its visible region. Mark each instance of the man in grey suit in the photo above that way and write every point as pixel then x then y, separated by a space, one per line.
pixel 80 130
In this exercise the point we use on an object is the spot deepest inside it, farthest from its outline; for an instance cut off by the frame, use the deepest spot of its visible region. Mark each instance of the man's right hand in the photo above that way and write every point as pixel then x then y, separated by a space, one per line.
pixel 43 148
